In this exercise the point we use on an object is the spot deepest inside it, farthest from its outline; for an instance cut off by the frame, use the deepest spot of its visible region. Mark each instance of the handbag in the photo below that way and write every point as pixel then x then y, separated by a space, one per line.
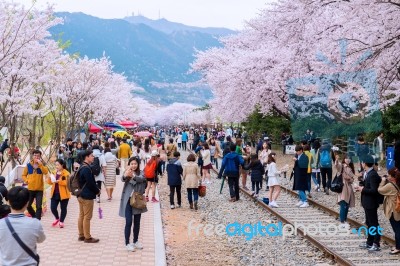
pixel 137 200
pixel 202 190
pixel 117 171
pixel 22 244
pixel 337 183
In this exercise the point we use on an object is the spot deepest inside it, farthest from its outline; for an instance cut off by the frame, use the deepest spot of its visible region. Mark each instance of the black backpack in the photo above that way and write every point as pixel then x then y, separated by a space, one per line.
pixel 227 148
pixel 73 183
pixel 95 166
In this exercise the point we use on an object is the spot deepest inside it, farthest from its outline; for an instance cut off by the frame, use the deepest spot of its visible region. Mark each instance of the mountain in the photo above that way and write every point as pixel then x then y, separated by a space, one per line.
pixel 145 53
pixel 169 27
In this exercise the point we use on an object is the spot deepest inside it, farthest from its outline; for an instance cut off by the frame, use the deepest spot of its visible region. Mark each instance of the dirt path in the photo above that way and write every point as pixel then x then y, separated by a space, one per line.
pixel 182 249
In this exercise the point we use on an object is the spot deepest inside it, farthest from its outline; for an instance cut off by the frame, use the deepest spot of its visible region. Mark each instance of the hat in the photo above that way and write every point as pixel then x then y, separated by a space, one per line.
pixel 62 146
pixel 265 138
pixel 154 153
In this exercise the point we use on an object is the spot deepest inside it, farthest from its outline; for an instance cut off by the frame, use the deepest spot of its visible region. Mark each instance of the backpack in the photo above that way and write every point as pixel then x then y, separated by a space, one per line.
pixel 73 183
pixel 150 169
pixel 337 183
pixel 227 149
pixel 325 159
pixel 95 166
pixel 397 206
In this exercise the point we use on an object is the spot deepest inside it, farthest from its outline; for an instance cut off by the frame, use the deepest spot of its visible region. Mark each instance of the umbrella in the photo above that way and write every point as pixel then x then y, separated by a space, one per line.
pixel 128 124
pixel 94 128
pixel 111 125
pixel 122 134
pixel 143 134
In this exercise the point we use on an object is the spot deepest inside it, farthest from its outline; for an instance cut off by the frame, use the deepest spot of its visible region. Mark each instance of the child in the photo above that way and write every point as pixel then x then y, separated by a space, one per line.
pixel 174 172
pixel 257 171
pixel 273 183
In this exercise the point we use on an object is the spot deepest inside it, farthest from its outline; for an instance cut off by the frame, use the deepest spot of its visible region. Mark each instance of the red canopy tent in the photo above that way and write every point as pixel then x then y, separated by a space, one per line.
pixel 128 124
pixel 94 128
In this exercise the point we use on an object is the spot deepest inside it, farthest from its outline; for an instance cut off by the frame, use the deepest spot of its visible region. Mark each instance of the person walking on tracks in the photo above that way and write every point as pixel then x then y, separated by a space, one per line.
pixel 390 188
pixel 346 198
pixel 230 168
pixel 370 200
pixel 300 176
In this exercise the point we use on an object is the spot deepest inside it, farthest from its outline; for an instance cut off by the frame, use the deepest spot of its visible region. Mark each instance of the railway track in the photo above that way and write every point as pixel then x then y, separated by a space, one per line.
pixel 342 247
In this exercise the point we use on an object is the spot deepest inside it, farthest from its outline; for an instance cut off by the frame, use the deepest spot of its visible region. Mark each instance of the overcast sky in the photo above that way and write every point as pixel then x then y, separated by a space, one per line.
pixel 210 13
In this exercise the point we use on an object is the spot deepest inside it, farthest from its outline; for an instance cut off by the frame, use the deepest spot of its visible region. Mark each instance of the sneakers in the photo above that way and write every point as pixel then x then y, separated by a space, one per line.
pixel 137 245
pixel 172 207
pixel 61 225
pixel 253 193
pixel 374 248
pixel 91 240
pixel 55 222
pixel 326 190
pixel 304 205
pixel 344 226
pixel 179 206
pixel 130 247
pixel 154 200
pixel 365 245
pixel 273 204
pixel 299 203
pixel 256 196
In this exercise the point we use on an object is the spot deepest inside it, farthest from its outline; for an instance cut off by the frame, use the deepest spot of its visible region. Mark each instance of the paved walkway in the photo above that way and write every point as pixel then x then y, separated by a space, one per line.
pixel 63 248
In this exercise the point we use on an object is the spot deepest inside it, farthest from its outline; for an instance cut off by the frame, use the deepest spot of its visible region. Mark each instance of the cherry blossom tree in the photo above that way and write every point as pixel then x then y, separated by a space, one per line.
pixel 302 39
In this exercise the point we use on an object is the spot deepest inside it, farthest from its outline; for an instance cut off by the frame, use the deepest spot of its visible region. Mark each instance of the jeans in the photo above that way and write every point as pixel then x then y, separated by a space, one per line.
pixel 326 172
pixel 55 200
pixel 179 145
pixel 396 229
pixel 255 185
pixel 316 177
pixel 195 192
pixel 128 224
pixel 38 197
pixel 344 210
pixel 162 166
pixel 184 145
pixel 85 215
pixel 233 182
pixel 70 163
pixel 302 196
pixel 309 182
pixel 371 217
pixel 172 194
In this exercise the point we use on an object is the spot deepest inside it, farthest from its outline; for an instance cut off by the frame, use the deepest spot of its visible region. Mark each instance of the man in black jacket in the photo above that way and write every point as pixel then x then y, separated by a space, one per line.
pixel 370 200
pixel 85 199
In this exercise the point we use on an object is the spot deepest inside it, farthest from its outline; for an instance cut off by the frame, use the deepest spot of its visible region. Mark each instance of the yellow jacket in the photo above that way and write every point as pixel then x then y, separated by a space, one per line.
pixel 62 185
pixel 124 151
pixel 34 177
pixel 309 155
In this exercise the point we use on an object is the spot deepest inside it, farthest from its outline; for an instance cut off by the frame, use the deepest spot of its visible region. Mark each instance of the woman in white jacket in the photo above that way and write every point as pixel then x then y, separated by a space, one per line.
pixel 273 182
pixel 206 156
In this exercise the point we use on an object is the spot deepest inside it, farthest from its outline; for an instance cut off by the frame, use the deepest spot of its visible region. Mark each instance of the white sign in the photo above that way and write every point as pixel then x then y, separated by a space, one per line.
pixel 290 149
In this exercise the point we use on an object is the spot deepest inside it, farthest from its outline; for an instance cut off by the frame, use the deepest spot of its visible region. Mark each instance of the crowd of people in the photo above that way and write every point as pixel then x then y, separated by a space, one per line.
pixel 82 168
